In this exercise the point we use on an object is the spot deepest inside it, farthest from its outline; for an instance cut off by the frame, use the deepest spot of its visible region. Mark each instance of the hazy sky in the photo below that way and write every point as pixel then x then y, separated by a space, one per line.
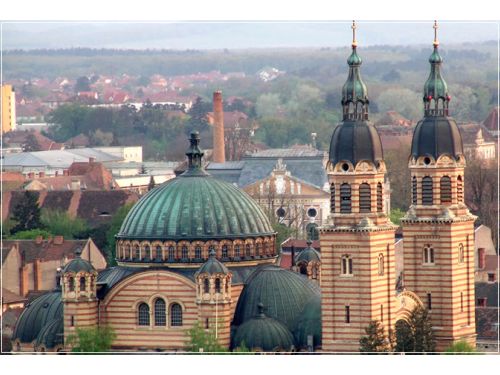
pixel 212 35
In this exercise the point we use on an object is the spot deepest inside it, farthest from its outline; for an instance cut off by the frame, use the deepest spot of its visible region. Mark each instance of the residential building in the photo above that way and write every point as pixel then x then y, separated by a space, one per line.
pixel 8 108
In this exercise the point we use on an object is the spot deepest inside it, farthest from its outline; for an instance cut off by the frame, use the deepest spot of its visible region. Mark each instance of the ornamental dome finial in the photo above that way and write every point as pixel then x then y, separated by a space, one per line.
pixel 436 42
pixel 354 42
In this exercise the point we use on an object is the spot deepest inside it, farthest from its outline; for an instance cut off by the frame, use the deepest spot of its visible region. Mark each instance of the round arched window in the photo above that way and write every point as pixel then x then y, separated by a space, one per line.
pixel 312 212
pixel 281 212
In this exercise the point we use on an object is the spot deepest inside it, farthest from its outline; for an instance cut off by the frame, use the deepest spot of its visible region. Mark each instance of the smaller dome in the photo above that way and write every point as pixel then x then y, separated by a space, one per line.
pixel 51 334
pixel 264 333
pixel 36 315
pixel 354 58
pixel 309 254
pixel 309 324
pixel 212 266
pixel 78 264
pixel 435 57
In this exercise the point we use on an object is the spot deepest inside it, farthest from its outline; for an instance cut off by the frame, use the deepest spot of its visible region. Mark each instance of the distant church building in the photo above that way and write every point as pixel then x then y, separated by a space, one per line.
pixel 197 250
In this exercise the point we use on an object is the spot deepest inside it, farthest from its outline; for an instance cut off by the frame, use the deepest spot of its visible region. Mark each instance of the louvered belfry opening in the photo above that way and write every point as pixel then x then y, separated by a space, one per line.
pixel 427 199
pixel 380 202
pixel 364 198
pixel 345 199
pixel 332 198
pixel 460 196
pixel 414 190
pixel 445 189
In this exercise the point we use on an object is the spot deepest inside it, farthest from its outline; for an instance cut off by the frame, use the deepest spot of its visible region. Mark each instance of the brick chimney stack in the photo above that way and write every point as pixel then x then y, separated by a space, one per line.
pixel 219 154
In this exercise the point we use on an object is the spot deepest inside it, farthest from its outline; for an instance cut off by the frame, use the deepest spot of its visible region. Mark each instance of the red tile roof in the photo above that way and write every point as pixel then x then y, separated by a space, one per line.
pixel 491 121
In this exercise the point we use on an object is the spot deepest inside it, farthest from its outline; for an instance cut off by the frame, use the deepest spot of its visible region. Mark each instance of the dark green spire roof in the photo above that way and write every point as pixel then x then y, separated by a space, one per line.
pixel 309 254
pixel 263 333
pixel 354 92
pixel 435 87
pixel 195 206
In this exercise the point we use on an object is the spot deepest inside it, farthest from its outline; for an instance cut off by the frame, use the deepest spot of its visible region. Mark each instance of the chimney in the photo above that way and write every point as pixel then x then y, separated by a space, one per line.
pixel 37 275
pixel 23 281
pixel 481 257
pixel 58 240
pixel 219 154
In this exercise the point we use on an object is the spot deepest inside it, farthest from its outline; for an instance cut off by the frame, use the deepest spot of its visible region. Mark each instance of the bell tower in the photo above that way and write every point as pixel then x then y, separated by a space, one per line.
pixel 79 295
pixel 213 297
pixel 357 245
pixel 438 229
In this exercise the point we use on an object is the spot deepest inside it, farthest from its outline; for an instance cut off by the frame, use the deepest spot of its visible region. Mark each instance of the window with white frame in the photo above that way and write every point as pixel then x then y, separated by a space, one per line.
pixel 175 315
pixel 428 254
pixel 143 314
pixel 346 265
pixel 160 313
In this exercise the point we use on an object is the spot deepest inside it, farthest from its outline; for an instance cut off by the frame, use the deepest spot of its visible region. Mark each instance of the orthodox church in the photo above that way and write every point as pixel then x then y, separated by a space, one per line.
pixel 197 250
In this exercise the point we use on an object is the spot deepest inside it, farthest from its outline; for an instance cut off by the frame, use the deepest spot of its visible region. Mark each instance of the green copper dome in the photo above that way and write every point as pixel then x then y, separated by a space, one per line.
pixel 354 89
pixel 263 333
pixel 78 264
pixel 212 266
pixel 309 254
pixel 435 87
pixel 195 206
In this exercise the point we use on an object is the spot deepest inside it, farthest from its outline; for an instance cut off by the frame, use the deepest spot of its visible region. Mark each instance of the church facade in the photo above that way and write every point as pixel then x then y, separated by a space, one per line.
pixel 199 251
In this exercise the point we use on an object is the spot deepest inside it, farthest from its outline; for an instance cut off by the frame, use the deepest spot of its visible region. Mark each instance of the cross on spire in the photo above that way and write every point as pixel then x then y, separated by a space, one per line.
pixel 353 27
pixel 436 42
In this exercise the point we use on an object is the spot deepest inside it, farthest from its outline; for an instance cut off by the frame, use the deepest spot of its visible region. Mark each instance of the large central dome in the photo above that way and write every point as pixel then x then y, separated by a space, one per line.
pixel 195 206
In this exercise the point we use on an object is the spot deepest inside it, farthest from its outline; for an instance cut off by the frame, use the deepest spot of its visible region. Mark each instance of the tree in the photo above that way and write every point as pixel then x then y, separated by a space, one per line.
pixel 115 226
pixel 82 84
pixel 407 102
pixel 31 144
pixel 60 223
pixel 396 214
pixel 151 184
pixel 416 335
pixel 26 213
pixel 30 234
pixel 399 176
pixel 375 339
pixel 91 340
pixel 203 340
pixel 461 347
pixel 198 116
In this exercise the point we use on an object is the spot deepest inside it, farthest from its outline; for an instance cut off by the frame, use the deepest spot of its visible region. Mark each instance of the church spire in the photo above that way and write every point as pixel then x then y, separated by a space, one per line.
pixel 436 97
pixel 354 92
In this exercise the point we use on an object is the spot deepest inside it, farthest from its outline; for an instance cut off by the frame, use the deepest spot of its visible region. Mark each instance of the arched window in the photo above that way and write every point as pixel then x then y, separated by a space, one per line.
pixel 346 265
pixel 427 199
pixel 428 254
pixel 248 252
pixel 445 189
pixel 210 249
pixel 303 268
pixel 184 252
pixel 460 196
pixel 380 264
pixel 82 284
pixel 414 190
pixel 127 251
pixel 158 253
pixel 237 251
pixel 217 285
pixel 345 198
pixel 460 253
pixel 332 198
pixel 224 251
pixel 175 315
pixel 206 285
pixel 197 252
pixel 137 252
pixel 380 198
pixel 160 313
pixel 171 254
pixel 143 314
pixel 257 249
pixel 364 198
pixel 147 252
pixel 71 284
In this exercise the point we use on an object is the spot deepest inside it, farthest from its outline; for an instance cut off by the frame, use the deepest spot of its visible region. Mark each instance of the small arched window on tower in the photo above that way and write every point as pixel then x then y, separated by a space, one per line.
pixel 364 198
pixel 143 314
pixel 147 252
pixel 171 254
pixel 217 285
pixel 428 254
pixel 184 252
pixel 427 199
pixel 158 253
pixel 345 198
pixel 461 256
pixel 445 189
pixel 380 198
pixel 460 196
pixel 82 284
pixel 236 251
pixel 380 264
pixel 206 286
pixel 332 198
pixel 224 251
pixel 248 252
pixel 346 265
pixel 414 190
pixel 197 252
pixel 175 315
pixel 71 284
pixel 137 252
pixel 127 251
pixel 160 313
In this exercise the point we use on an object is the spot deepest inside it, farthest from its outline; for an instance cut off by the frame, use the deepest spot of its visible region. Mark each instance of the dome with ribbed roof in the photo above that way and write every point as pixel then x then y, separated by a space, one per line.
pixel 212 266
pixel 309 324
pixel 195 206
pixel 52 334
pixel 284 294
pixel 309 254
pixel 36 315
pixel 78 264
pixel 263 333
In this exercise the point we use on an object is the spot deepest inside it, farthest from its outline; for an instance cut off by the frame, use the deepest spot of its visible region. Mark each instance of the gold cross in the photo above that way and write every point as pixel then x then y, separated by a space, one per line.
pixel 436 42
pixel 353 27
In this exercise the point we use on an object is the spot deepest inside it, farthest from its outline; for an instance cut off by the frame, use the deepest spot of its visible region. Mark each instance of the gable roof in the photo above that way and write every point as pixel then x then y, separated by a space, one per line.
pixel 47 250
